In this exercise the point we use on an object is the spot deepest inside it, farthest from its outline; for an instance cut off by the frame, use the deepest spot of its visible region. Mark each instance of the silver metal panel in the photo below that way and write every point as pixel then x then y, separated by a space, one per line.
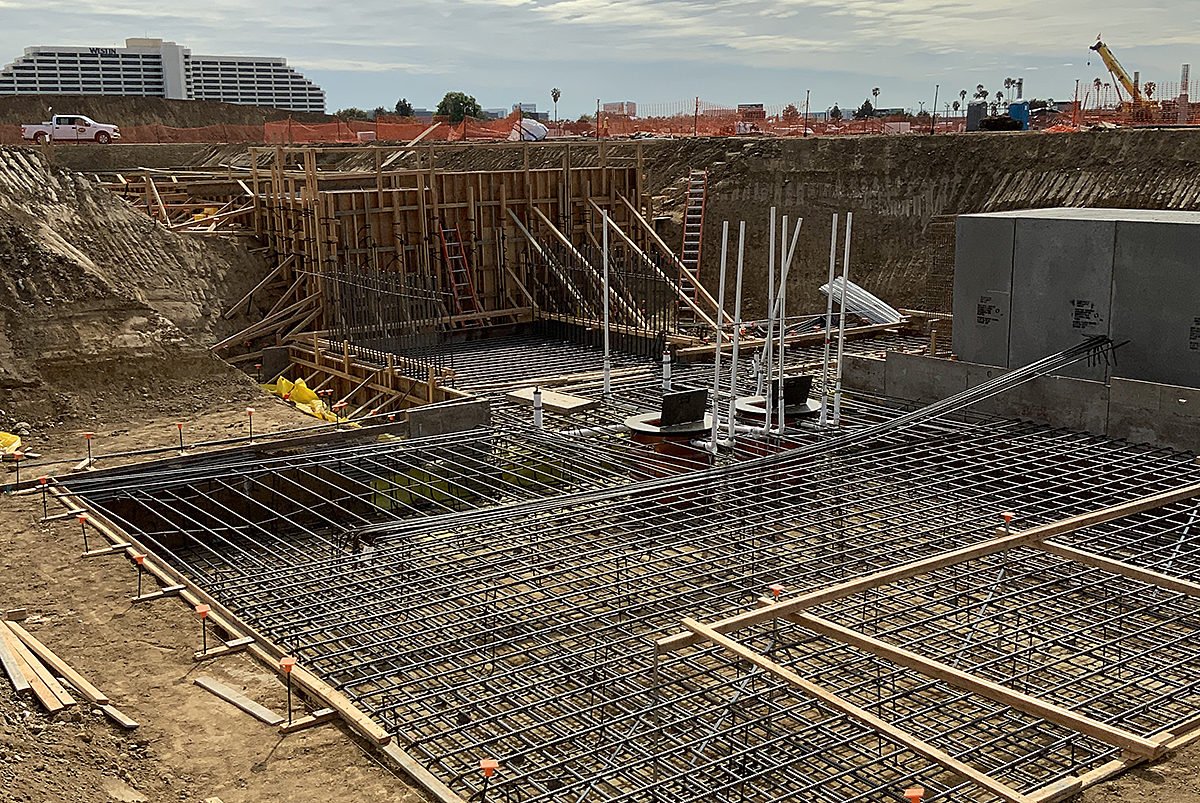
pixel 1062 277
pixel 983 268
pixel 1156 301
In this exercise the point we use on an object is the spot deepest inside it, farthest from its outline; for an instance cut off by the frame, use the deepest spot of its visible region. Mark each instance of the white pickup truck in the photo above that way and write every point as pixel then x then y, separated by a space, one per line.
pixel 71 128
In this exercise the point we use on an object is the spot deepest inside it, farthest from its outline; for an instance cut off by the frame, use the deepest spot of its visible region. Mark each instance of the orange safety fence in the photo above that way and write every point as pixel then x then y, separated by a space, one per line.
pixel 1097 105
pixel 287 132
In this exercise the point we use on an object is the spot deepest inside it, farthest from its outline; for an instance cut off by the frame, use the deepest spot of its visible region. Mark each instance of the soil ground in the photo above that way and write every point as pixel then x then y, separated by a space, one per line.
pixel 190 745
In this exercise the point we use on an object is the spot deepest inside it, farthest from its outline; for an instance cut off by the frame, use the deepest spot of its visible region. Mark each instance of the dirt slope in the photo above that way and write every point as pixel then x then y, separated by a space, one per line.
pixel 100 307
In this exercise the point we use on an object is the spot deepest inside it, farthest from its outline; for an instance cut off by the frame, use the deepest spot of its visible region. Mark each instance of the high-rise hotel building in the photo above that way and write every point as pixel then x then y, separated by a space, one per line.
pixel 160 69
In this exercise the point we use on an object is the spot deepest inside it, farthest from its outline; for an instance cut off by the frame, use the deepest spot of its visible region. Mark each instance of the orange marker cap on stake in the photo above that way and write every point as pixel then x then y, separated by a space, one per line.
pixel 914 794
pixel 777 589
pixel 43 480
pixel 18 455
pixel 139 559
pixel 89 435
pixel 249 411
pixel 203 610
pixel 287 663
pixel 179 424
pixel 83 517
pixel 489 766
pixel 1008 515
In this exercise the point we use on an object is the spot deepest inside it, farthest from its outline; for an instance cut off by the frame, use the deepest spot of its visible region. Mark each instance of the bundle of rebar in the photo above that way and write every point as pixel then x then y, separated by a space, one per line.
pixel 859 302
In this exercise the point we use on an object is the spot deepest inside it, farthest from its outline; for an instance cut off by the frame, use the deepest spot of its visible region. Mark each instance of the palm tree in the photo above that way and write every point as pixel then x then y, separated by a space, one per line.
pixel 962 95
pixel 980 92
pixel 554 96
pixel 875 94
pixel 957 105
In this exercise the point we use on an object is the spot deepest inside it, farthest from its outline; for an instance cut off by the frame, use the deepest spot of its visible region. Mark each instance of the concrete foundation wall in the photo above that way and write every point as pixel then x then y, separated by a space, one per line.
pixel 1126 409
pixel 1133 275
pixel 447 417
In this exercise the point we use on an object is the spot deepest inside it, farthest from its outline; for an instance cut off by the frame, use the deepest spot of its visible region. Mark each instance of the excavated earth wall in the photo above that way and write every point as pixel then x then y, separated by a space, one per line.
pixel 904 191
pixel 100 304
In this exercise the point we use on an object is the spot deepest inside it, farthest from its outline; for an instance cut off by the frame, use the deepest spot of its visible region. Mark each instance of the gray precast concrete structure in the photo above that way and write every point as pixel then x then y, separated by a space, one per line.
pixel 1033 282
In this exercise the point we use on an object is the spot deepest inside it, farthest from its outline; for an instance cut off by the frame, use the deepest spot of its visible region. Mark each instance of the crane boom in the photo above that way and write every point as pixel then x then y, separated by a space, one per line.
pixel 1114 67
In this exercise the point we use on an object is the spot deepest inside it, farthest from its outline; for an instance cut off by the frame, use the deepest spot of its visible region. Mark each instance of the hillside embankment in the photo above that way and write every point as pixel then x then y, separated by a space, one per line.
pixel 128 111
pixel 904 191
pixel 103 311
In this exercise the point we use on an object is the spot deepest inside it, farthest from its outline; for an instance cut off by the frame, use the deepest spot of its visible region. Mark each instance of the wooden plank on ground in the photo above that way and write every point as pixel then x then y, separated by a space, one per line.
pixel 116 716
pixel 60 666
pixel 897 735
pixel 315 718
pixel 37 682
pixel 769 610
pixel 11 668
pixel 239 700
pixel 555 402
pixel 229 647
pixel 1108 734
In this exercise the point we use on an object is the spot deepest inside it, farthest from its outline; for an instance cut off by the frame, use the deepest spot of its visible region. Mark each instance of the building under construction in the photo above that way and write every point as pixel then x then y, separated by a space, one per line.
pixel 579 527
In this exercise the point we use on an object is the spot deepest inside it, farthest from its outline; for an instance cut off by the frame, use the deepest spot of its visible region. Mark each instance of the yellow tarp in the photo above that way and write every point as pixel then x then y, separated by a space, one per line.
pixel 305 400
pixel 9 442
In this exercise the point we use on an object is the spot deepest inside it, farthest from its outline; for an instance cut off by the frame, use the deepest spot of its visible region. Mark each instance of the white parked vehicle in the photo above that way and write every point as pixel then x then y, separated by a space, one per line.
pixel 71 128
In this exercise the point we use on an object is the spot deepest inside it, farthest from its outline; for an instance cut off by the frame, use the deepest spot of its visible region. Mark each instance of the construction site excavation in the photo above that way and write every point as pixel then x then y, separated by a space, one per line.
pixel 709 469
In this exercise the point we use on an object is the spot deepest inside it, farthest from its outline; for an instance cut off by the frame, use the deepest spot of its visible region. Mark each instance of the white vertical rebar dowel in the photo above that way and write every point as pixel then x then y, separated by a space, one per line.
pixel 666 363
pixel 607 356
pixel 537 408
pixel 837 390
pixel 788 253
pixel 828 324
pixel 737 331
pixel 769 392
pixel 716 414
pixel 766 349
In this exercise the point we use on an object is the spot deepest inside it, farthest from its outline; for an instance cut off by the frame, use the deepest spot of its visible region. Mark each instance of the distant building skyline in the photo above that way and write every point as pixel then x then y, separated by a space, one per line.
pixel 156 68
pixel 663 52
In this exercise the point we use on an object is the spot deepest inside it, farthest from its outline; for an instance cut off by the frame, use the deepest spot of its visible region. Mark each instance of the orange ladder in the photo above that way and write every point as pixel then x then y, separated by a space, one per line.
pixel 693 234
pixel 462 288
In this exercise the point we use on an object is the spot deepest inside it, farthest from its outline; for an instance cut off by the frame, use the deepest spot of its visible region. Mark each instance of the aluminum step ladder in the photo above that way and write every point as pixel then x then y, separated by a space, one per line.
pixel 462 289
pixel 693 235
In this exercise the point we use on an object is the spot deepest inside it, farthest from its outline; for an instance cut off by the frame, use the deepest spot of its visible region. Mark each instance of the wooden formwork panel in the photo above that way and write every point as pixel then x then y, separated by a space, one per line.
pixel 391 222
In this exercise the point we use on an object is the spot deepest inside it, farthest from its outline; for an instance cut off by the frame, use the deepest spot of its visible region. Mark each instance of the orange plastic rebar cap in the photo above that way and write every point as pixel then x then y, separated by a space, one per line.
pixel 140 559
pixel 203 610
pixel 43 480
pixel 287 663
pixel 489 765
pixel 777 589
pixel 915 793
pixel 1008 515
pixel 249 411
pixel 82 517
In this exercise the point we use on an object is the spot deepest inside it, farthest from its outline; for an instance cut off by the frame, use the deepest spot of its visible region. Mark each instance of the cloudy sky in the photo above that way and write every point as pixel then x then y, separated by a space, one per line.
pixel 370 52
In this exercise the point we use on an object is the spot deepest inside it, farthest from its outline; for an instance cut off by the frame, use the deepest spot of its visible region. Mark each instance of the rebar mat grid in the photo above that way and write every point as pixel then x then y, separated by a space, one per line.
pixel 512 630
